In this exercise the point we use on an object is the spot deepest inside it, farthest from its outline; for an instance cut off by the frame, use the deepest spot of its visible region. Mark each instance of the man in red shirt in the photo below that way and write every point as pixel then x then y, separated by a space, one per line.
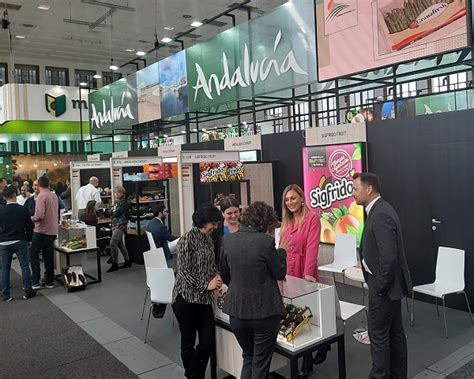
pixel 44 233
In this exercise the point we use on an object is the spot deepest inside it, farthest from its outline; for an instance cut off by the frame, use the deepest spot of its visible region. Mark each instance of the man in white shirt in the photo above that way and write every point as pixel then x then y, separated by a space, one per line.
pixel 23 196
pixel 87 193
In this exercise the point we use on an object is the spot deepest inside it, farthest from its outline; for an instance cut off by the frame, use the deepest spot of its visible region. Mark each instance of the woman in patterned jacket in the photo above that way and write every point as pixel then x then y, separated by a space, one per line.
pixel 196 279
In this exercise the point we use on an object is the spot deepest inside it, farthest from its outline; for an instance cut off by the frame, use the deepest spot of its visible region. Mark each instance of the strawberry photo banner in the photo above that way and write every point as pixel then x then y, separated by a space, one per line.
pixel 328 186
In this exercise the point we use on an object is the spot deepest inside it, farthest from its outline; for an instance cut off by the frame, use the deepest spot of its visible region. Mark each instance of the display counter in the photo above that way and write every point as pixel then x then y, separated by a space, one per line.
pixel 308 324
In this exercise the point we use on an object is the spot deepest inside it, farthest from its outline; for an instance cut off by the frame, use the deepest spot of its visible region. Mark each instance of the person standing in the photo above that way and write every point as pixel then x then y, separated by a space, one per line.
pixel 251 266
pixel 23 196
pixel 3 185
pixel 87 193
pixel 46 219
pixel 386 273
pixel 15 232
pixel 158 229
pixel 196 279
pixel 30 203
pixel 119 228
pixel 66 195
pixel 300 231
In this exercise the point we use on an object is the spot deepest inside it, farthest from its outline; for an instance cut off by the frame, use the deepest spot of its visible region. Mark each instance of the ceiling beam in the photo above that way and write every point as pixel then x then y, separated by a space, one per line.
pixel 109 5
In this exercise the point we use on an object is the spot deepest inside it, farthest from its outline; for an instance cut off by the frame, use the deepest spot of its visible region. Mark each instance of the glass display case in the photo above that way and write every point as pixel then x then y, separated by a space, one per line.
pixel 310 313
pixel 75 236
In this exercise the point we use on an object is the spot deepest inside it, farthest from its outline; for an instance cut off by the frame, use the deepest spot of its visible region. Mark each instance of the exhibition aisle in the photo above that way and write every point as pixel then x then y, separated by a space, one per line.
pixel 111 310
pixel 38 340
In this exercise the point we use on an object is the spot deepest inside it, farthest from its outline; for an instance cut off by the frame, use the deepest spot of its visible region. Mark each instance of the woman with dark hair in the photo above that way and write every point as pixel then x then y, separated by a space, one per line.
pixel 230 209
pixel 196 279
pixel 89 217
pixel 251 266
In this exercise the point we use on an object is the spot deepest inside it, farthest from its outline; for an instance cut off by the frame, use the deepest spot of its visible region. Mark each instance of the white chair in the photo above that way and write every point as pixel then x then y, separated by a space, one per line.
pixel 161 282
pixel 345 256
pixel 151 240
pixel 153 258
pixel 449 279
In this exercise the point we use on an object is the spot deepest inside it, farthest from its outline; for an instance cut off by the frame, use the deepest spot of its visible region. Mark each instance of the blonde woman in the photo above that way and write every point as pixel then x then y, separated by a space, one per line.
pixel 119 228
pixel 301 229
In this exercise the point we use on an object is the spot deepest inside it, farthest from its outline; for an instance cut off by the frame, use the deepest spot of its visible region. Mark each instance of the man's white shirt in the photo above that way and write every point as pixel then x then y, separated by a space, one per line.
pixel 85 194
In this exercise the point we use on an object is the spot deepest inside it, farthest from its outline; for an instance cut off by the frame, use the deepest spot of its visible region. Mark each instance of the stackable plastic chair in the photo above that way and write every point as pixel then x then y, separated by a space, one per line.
pixel 161 284
pixel 153 258
pixel 151 240
pixel 449 279
pixel 345 255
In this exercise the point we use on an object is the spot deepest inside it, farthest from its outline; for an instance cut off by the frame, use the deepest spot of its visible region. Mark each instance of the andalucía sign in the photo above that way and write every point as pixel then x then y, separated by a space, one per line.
pixel 114 106
pixel 264 55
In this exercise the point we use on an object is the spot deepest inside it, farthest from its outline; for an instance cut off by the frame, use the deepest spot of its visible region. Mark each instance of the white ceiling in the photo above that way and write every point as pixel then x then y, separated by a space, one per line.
pixel 49 36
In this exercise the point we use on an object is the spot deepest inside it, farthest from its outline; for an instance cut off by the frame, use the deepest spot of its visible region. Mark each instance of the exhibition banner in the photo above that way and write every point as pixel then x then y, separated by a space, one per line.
pixel 264 55
pixel 328 184
pixel 38 102
pixel 356 36
pixel 148 93
pixel 114 106
pixel 221 172
pixel 173 85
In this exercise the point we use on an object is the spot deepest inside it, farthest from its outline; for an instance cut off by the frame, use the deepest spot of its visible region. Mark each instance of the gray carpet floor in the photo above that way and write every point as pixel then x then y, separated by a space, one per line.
pixel 464 372
pixel 42 342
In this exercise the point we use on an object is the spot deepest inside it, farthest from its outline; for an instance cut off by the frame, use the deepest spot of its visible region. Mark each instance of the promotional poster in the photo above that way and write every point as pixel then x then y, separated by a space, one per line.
pixel 328 183
pixel 388 32
pixel 221 172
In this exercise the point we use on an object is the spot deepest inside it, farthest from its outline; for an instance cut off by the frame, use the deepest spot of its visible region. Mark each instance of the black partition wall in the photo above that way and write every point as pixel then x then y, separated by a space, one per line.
pixel 425 164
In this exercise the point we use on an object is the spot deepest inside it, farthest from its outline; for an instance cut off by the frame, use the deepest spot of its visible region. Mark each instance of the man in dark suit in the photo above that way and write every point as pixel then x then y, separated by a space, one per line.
pixel 160 232
pixel 386 273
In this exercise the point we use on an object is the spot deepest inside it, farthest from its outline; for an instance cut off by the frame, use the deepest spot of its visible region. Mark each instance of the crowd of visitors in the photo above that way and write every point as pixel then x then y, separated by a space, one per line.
pixel 224 246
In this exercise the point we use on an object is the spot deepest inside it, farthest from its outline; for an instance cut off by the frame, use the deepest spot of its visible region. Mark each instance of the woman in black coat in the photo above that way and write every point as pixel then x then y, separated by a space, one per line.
pixel 251 266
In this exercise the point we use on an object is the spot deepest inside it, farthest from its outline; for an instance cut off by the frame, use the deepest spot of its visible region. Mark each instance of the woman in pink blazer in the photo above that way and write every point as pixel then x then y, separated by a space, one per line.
pixel 300 231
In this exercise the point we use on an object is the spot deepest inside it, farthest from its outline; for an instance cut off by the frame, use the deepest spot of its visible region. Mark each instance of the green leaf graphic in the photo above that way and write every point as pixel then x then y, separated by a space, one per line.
pixel 337 212
pixel 344 209
pixel 351 230
pixel 357 154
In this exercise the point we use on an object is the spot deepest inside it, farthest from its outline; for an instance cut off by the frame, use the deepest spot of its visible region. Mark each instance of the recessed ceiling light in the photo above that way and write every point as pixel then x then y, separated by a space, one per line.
pixel 229 125
pixel 182 131
pixel 20 36
pixel 204 130
pixel 169 28
pixel 82 84
pixel 195 130
pixel 165 135
pixel 140 53
pixel 129 50
pixel 44 7
pixel 196 24
pixel 187 16
pixel 97 76
pixel 166 39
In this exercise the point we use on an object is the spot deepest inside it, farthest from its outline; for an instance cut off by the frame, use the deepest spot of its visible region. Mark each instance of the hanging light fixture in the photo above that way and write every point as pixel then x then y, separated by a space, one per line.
pixel 112 66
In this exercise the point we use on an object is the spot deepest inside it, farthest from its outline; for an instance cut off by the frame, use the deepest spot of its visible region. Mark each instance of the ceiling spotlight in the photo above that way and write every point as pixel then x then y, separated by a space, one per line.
pixel 83 84
pixel 204 130
pixel 112 66
pixel 140 53
pixel 168 27
pixel 44 7
pixel 183 131
pixel 196 24
pixel 229 125
pixel 166 39
pixel 195 130
pixel 97 76
pixel 129 50
pixel 20 36
pixel 165 135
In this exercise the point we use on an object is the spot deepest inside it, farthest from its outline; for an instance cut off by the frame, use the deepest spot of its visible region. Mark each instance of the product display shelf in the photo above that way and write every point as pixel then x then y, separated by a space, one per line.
pixel 140 212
